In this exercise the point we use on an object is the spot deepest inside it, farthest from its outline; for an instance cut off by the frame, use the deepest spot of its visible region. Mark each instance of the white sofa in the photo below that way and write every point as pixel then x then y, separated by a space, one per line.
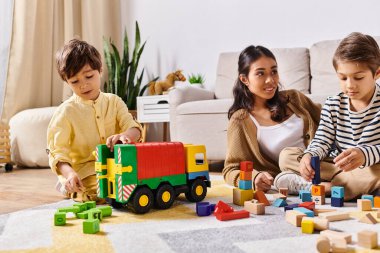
pixel 200 116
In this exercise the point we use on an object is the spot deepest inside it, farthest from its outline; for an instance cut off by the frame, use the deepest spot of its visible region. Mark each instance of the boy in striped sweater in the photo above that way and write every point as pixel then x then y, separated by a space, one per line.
pixel 350 121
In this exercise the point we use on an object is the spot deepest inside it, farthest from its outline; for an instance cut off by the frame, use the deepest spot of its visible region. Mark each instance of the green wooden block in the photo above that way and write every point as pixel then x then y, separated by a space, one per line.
pixel 60 219
pixel 82 206
pixel 106 210
pixel 91 226
pixel 90 204
pixel 95 213
pixel 82 215
pixel 69 209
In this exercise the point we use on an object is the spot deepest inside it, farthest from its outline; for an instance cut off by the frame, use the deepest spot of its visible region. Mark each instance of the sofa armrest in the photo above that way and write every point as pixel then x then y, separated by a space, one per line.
pixel 182 95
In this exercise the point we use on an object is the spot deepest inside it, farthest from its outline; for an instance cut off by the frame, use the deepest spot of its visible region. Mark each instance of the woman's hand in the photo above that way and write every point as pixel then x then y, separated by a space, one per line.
pixel 350 159
pixel 263 181
pixel 305 168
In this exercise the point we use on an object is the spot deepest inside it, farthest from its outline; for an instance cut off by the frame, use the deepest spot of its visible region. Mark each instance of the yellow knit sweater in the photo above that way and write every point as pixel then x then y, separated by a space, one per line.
pixel 242 137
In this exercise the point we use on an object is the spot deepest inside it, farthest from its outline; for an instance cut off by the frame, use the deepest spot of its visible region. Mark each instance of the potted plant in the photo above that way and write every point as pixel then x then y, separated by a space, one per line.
pixel 123 79
pixel 196 80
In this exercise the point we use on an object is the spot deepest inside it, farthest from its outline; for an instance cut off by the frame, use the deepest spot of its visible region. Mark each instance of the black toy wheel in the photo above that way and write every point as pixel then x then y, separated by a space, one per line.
pixel 197 190
pixel 164 196
pixel 8 167
pixel 114 203
pixel 141 201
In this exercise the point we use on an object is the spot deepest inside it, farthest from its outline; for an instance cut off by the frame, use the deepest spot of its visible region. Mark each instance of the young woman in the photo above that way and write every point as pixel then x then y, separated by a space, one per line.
pixel 264 120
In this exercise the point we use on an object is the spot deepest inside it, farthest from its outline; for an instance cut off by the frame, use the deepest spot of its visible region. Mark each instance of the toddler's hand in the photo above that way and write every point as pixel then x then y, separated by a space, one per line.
pixel 73 183
pixel 263 181
pixel 350 159
pixel 113 139
pixel 305 168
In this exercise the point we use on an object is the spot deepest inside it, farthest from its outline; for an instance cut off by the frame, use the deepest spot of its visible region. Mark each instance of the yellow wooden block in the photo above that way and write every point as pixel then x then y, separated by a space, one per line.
pixel 307 226
pixel 240 196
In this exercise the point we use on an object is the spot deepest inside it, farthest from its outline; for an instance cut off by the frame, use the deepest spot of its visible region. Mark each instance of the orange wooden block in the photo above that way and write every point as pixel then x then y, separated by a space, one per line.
pixel 318 190
pixel 376 200
pixel 246 166
pixel 260 196
pixel 245 175
pixel 283 191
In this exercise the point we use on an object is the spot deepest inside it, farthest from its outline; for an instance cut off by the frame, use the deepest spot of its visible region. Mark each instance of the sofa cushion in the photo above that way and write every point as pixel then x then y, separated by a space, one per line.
pixel 323 77
pixel 28 137
pixel 293 68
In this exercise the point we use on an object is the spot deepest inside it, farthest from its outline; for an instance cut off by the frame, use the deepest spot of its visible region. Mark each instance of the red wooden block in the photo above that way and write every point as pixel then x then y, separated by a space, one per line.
pixel 309 205
pixel 232 215
pixel 260 196
pixel 222 207
pixel 246 166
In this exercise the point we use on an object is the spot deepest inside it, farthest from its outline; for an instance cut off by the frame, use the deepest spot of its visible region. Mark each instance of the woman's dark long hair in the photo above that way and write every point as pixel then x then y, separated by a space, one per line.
pixel 244 98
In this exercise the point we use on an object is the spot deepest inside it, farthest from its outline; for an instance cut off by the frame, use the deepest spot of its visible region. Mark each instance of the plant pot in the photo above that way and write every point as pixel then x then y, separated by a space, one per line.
pixel 199 85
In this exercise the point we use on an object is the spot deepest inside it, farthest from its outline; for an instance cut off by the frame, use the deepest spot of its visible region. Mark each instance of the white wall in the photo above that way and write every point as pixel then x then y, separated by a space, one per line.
pixel 6 12
pixel 190 34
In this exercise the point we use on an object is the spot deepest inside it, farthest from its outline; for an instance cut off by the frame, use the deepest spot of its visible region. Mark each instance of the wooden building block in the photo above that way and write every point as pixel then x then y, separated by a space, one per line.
pixel 255 208
pixel 240 196
pixel 318 190
pixel 241 214
pixel 245 175
pixel 370 197
pixel 283 191
pixel 338 246
pixel 364 204
pixel 323 244
pixel 335 216
pixel 320 224
pixel 260 196
pixel 337 202
pixel 308 205
pixel 307 226
pixel 367 239
pixel 337 192
pixel 294 217
pixel 321 210
pixel 376 201
pixel 279 196
pixel 246 166
pixel 368 218
pixel 305 196
pixel 280 203
pixel 319 200
pixel 335 235
pixel 308 212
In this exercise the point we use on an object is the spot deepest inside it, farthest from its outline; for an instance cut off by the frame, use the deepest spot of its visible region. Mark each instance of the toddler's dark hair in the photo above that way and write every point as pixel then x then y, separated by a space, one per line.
pixel 358 47
pixel 74 55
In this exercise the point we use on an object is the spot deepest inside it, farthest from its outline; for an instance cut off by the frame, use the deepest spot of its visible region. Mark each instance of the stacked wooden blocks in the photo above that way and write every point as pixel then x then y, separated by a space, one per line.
pixel 245 191
pixel 317 190
pixel 337 196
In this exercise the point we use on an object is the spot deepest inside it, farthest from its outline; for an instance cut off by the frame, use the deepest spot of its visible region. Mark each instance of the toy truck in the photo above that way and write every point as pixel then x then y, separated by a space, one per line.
pixel 144 174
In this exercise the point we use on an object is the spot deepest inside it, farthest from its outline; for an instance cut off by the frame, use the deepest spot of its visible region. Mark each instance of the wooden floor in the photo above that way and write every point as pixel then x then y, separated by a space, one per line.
pixel 26 187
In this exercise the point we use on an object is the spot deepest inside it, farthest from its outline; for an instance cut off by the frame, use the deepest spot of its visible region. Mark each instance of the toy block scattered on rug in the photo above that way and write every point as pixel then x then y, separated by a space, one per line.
pixel 308 212
pixel 320 224
pixel 367 239
pixel 280 203
pixel 364 204
pixel 283 191
pixel 290 207
pixel 337 196
pixel 323 244
pixel 224 212
pixel 369 197
pixel 335 216
pixel 305 196
pixel 240 196
pixel 307 226
pixel 319 200
pixel 338 245
pixel 322 210
pixel 279 196
pixel 204 208
pixel 308 205
pixel 368 218
pixel 254 207
pixel 260 196
pixel 294 217
pixel 335 235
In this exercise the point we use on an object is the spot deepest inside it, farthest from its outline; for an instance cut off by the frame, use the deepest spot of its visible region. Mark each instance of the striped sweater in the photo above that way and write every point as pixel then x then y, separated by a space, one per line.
pixel 347 129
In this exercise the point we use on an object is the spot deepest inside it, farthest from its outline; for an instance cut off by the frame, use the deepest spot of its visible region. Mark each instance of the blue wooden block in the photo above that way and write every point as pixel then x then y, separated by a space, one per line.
pixel 370 197
pixel 304 210
pixel 280 203
pixel 245 184
pixel 204 208
pixel 306 197
pixel 337 192
pixel 290 207
pixel 337 202
pixel 300 193
pixel 315 164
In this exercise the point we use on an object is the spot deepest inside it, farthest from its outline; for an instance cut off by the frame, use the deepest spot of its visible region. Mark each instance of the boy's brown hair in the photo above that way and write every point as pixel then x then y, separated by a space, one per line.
pixel 74 55
pixel 358 47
